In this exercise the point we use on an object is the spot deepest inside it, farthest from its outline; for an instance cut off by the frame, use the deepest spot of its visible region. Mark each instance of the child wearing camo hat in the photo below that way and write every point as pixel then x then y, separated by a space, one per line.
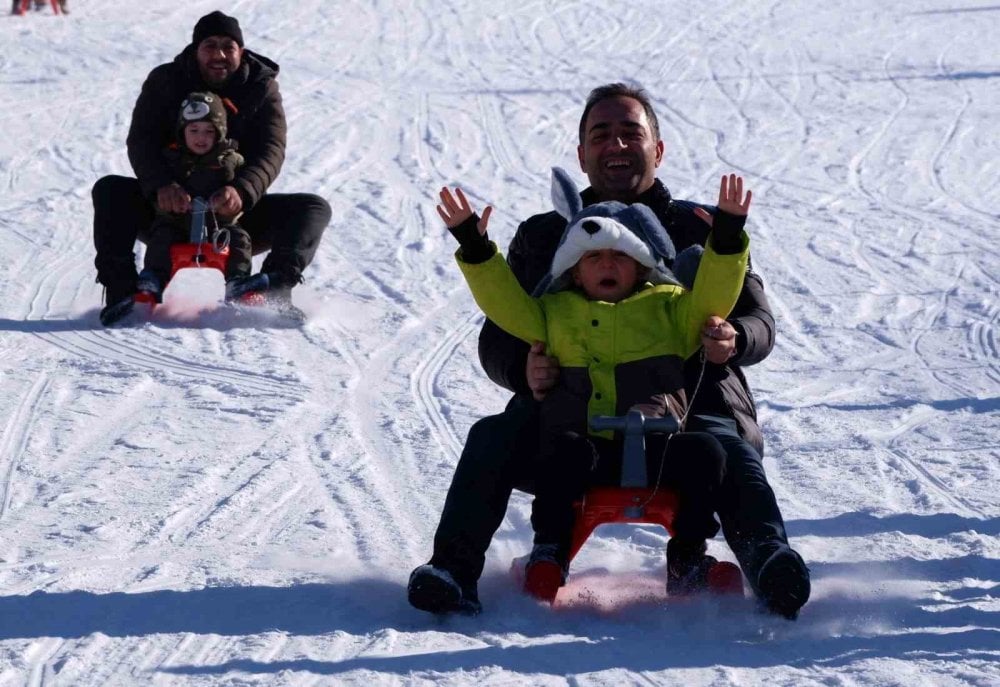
pixel 202 161
pixel 613 313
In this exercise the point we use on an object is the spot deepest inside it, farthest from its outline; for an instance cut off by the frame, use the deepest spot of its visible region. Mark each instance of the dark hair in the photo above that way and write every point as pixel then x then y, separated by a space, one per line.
pixel 620 90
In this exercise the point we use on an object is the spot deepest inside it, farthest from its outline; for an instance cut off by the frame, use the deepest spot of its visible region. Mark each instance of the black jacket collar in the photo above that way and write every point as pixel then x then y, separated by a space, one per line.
pixel 656 197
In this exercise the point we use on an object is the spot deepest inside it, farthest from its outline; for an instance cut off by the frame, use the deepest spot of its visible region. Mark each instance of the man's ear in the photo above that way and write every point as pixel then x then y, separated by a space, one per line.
pixel 579 156
pixel 659 152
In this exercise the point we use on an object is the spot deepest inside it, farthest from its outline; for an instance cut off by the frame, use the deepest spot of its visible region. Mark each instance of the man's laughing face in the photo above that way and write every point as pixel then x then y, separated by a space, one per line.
pixel 218 58
pixel 619 154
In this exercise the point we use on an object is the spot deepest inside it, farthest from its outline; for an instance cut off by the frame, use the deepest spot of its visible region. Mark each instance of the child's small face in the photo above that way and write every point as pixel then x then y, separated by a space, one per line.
pixel 199 137
pixel 606 275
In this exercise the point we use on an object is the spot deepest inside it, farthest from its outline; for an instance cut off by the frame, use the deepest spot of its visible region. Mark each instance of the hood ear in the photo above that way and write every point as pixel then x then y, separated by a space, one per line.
pixel 650 230
pixel 565 196
pixel 646 225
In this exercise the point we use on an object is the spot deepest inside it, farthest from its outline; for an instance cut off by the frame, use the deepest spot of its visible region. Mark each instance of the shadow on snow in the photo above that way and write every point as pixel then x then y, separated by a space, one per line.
pixel 835 628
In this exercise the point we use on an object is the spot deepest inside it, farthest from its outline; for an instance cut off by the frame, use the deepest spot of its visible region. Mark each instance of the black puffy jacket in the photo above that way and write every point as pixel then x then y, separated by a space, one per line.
pixel 255 119
pixel 723 390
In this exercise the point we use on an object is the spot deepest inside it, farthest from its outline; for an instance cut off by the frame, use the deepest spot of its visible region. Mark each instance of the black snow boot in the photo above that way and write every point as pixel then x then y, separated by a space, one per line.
pixel 118 303
pixel 687 567
pixel 435 590
pixel 783 582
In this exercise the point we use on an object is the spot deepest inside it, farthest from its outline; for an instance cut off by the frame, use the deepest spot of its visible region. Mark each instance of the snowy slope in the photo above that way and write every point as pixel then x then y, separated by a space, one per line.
pixel 215 500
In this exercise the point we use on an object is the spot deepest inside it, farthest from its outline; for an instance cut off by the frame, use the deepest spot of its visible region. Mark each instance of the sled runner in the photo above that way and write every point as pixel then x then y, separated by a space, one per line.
pixel 634 501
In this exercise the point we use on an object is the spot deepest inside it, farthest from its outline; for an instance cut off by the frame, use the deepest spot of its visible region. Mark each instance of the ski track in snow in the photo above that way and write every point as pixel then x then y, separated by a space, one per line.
pixel 15 437
pixel 212 498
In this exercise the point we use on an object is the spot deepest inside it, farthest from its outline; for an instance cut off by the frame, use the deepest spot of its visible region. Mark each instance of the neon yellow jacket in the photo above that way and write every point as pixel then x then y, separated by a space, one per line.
pixel 612 355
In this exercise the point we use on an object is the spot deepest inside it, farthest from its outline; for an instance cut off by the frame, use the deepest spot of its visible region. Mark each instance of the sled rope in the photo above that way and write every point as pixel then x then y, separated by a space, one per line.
pixel 663 455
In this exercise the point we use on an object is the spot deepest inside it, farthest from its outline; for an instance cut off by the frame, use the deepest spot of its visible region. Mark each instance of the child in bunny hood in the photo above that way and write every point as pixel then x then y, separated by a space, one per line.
pixel 621 327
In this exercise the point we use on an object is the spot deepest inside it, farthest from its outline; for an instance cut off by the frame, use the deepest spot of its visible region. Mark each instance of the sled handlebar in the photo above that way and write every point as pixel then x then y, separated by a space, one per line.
pixel 634 423
pixel 199 208
pixel 634 426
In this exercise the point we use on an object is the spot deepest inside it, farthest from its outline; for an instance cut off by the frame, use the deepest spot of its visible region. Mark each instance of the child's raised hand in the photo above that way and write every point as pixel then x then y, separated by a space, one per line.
pixel 454 210
pixel 474 245
pixel 731 199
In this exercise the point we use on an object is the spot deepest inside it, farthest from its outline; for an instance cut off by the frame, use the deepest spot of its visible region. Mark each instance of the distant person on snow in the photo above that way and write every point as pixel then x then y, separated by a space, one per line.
pixel 289 225
pixel 203 161
pixel 607 295
pixel 39 5
pixel 619 150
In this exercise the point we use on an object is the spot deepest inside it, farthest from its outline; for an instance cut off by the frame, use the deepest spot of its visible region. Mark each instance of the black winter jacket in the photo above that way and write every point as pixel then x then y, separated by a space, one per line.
pixel 723 391
pixel 203 175
pixel 255 119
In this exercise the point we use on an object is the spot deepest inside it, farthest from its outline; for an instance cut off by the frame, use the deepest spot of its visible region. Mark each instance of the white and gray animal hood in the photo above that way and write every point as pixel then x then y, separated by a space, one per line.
pixel 632 229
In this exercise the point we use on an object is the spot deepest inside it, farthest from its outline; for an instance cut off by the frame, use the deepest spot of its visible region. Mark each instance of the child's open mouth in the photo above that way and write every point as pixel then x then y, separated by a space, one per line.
pixel 609 283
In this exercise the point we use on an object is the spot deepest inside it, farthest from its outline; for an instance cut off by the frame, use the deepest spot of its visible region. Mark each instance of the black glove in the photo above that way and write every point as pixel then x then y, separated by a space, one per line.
pixel 727 230
pixel 475 247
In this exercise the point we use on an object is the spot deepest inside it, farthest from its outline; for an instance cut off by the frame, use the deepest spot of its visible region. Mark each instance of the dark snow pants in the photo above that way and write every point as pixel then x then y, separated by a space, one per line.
pixel 691 463
pixel 501 454
pixel 749 513
pixel 289 225
pixel 167 230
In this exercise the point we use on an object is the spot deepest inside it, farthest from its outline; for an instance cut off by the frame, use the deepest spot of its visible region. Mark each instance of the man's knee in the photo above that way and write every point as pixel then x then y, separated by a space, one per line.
pixel 113 187
pixel 697 459
pixel 301 213
pixel 289 226
pixel 313 215
pixel 488 429
pixel 744 466
pixel 315 208
pixel 494 449
pixel 102 188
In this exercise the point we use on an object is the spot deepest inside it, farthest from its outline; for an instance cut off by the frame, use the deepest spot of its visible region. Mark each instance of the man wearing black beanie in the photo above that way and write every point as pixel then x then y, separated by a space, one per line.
pixel 217 24
pixel 288 225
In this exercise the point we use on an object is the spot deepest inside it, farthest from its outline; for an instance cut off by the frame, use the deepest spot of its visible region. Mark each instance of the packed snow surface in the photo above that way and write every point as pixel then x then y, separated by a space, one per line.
pixel 220 499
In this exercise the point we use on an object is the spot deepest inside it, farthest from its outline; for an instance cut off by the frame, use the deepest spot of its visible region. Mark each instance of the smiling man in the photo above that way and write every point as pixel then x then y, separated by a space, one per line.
pixel 620 148
pixel 288 225
pixel 619 151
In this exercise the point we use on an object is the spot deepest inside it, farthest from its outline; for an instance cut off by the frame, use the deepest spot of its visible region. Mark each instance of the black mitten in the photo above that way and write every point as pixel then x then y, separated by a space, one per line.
pixel 726 232
pixel 476 247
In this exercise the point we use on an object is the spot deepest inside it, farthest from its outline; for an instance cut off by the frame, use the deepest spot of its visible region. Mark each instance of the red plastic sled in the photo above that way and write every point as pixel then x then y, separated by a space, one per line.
pixel 198 252
pixel 624 504
pixel 189 255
